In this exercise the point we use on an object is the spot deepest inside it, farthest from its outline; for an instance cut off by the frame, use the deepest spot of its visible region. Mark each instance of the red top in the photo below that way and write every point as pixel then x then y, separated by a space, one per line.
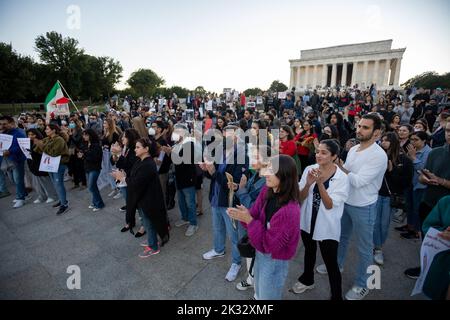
pixel 302 137
pixel 242 99
pixel 352 110
pixel 288 148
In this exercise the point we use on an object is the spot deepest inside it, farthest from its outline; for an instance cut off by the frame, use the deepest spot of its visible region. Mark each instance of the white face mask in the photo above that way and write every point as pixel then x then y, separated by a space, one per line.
pixel 151 132
pixel 175 137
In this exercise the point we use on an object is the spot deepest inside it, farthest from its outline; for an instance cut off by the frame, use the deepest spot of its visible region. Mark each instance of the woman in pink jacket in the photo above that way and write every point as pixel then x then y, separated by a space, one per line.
pixel 273 225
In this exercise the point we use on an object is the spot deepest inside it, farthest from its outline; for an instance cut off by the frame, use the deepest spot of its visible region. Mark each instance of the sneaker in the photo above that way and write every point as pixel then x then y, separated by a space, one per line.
pixel 148 252
pixel 191 231
pixel 91 206
pixel 49 200
pixel 402 228
pixel 37 201
pixel 62 209
pixel 378 257
pixel 410 235
pixel 58 204
pixel 117 196
pixel 213 254
pixel 243 285
pixel 123 209
pixel 181 223
pixel 144 244
pixel 112 193
pixel 412 273
pixel 28 197
pixel 233 272
pixel 356 293
pixel 95 209
pixel 15 200
pixel 322 269
pixel 5 194
pixel 299 287
pixel 18 204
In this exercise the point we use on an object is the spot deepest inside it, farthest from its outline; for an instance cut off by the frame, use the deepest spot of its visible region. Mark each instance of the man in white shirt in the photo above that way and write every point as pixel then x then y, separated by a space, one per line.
pixel 365 166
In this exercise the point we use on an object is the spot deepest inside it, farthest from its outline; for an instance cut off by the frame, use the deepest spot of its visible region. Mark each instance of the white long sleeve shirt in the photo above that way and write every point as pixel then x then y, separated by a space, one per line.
pixel 367 169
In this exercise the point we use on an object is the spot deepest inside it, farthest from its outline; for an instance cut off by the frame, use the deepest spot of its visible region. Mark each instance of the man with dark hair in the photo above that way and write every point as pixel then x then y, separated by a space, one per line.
pixel 365 166
pixel 248 117
pixel 15 156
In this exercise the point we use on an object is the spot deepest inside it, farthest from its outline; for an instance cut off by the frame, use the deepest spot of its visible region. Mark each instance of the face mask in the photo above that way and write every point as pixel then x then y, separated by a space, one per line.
pixel 324 136
pixel 417 130
pixel 72 125
pixel 175 137
pixel 151 132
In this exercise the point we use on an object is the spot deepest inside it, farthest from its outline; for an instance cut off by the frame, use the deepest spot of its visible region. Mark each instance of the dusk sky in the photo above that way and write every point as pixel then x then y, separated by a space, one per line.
pixel 231 44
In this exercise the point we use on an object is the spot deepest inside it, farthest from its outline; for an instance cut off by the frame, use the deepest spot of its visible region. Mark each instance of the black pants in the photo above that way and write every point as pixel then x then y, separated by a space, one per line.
pixel 424 211
pixel 79 175
pixel 329 250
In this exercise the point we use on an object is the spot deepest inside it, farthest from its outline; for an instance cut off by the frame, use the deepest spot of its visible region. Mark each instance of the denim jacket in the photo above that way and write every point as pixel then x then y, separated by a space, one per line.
pixel 419 164
pixel 248 195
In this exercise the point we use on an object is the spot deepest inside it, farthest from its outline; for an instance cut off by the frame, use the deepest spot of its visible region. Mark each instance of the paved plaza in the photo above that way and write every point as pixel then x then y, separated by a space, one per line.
pixel 36 247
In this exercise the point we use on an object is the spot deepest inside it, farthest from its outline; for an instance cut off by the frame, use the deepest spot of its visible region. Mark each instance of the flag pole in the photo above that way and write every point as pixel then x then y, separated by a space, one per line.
pixel 68 95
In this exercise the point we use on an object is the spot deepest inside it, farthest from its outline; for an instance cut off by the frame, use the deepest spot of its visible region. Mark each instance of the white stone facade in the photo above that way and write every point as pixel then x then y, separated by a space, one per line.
pixel 356 64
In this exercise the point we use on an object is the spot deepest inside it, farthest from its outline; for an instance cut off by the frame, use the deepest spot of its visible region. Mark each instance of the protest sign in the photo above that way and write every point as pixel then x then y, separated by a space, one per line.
pixel 5 142
pixel 25 146
pixel 49 164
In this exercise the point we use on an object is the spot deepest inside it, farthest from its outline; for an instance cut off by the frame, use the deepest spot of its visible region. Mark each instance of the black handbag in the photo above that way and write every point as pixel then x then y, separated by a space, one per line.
pixel 397 201
pixel 246 250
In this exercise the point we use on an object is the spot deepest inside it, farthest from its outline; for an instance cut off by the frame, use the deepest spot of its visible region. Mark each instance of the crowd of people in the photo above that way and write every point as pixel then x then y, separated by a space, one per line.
pixel 321 167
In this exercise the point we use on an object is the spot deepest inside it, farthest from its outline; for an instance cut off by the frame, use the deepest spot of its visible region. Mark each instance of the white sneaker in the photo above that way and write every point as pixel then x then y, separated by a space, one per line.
pixel 191 231
pixel 112 193
pixel 28 197
pixel 244 285
pixel 96 209
pixel 117 196
pixel 233 272
pixel 15 200
pixel 356 293
pixel 378 257
pixel 91 206
pixel 37 201
pixel 299 287
pixel 49 200
pixel 322 269
pixel 213 254
pixel 181 223
pixel 19 203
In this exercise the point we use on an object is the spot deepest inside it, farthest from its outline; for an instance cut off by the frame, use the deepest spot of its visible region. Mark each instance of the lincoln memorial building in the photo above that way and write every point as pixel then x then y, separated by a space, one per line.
pixel 347 65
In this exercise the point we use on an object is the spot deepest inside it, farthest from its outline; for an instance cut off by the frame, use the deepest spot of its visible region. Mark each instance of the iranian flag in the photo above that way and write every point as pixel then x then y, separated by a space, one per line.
pixel 54 95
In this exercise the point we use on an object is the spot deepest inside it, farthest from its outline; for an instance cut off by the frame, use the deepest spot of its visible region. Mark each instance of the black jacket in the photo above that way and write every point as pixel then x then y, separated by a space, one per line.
pixel 93 155
pixel 185 173
pixel 399 179
pixel 145 192
pixel 127 161
pixel 35 162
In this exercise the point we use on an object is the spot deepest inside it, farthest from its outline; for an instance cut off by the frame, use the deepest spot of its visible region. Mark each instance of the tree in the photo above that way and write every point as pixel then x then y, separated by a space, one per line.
pixel 253 92
pixel 429 80
pixel 200 90
pixel 179 91
pixel 144 82
pixel 278 86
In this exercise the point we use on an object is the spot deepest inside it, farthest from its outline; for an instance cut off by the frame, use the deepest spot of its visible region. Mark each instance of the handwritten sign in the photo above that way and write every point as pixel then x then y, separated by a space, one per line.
pixel 5 142
pixel 282 95
pixel 432 244
pixel 49 164
pixel 25 146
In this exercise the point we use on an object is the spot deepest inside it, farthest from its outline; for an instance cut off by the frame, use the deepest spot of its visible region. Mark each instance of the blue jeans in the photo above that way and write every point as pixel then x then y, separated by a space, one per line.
pixel 382 221
pixel 363 221
pixel 413 214
pixel 221 226
pixel 270 276
pixel 123 191
pixel 58 182
pixel 97 200
pixel 19 180
pixel 151 232
pixel 186 203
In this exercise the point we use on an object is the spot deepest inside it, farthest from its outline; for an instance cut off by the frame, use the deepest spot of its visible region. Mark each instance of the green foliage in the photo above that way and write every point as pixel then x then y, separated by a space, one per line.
pixel 278 86
pixel 429 80
pixel 253 92
pixel 145 82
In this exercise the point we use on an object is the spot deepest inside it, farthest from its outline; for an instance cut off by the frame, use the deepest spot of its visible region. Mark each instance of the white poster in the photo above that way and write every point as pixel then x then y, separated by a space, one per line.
pixel 25 146
pixel 432 244
pixel 251 105
pixel 5 142
pixel 49 164
pixel 282 95
pixel 259 100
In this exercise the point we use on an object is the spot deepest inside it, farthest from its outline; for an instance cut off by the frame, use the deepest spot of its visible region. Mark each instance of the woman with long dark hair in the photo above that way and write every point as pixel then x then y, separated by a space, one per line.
pixel 305 143
pixel 273 224
pixel 145 194
pixel 397 180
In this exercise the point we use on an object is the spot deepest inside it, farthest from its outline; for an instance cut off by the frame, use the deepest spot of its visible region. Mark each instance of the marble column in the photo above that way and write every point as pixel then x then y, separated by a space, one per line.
pixel 375 71
pixel 291 82
pixel 306 77
pixel 333 75
pixel 314 83
pixel 298 80
pixel 364 76
pixel 387 67
pixel 397 72
pixel 344 74
pixel 355 67
pixel 324 75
